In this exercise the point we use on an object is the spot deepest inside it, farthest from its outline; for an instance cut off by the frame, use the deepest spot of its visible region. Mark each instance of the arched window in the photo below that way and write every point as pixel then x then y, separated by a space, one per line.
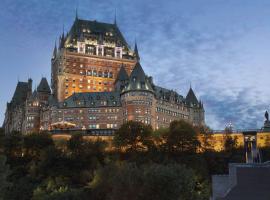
pixel 94 73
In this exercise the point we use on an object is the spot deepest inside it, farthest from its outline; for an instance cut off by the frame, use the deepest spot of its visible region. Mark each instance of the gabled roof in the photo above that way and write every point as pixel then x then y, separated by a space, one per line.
pixel 191 97
pixel 138 80
pixel 44 86
pixel 122 74
pixel 20 93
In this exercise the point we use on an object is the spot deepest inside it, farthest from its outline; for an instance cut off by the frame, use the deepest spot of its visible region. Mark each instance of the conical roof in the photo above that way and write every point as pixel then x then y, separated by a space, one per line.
pixel 191 97
pixel 44 86
pixel 122 74
pixel 138 80
pixel 136 52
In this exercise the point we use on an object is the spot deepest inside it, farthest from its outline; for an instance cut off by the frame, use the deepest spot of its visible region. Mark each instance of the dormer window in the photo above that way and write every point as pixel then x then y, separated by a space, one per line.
pixel 90 49
pixel 81 47
pixel 118 52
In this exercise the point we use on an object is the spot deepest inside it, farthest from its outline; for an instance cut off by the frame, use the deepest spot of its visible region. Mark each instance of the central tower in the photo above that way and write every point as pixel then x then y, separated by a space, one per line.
pixel 89 58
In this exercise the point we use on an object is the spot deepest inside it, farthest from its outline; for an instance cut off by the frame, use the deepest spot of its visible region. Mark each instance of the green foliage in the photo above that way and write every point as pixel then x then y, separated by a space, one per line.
pixel 181 138
pixel 230 143
pixel 133 136
pixel 4 172
pixel 143 164
pixel 51 187
pixel 157 182
pixel 21 188
pixel 35 143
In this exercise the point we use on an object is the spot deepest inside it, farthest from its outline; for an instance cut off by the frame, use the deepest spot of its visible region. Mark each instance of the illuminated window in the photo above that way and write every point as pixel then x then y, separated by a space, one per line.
pixel 110 75
pixel 89 73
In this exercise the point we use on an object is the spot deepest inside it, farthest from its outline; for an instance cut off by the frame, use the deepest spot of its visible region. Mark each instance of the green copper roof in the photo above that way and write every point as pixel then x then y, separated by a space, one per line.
pixel 93 99
pixel 44 86
pixel 122 75
pixel 97 29
pixel 168 95
pixel 191 97
pixel 138 80
pixel 20 93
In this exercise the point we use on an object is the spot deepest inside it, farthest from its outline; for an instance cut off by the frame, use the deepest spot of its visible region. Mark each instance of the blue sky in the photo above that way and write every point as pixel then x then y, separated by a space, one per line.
pixel 221 47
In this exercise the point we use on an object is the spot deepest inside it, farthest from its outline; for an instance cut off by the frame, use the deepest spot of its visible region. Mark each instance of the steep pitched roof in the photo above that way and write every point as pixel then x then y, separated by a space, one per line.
pixel 96 28
pixel 138 80
pixel 44 86
pixel 191 97
pixel 165 94
pixel 136 52
pixel 93 99
pixel 20 93
pixel 34 95
pixel 122 74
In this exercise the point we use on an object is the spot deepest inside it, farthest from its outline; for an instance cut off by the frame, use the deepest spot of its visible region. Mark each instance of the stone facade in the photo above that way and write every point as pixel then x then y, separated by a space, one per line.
pixel 97 84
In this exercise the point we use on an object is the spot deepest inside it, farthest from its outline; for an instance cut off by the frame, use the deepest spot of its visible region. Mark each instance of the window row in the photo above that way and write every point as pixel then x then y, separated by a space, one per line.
pixel 169 112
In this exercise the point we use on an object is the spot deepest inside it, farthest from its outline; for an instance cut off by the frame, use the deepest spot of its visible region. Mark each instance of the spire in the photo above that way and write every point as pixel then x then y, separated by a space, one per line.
pixel 63 33
pixel 76 14
pixel 191 97
pixel 115 22
pixel 54 50
pixel 62 39
pixel 136 52
pixel 122 74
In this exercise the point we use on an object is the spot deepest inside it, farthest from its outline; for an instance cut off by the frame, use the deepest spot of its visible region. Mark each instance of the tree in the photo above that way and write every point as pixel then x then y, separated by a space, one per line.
pixel 230 143
pixel 206 138
pixel 35 143
pixel 84 156
pixel 149 182
pixel 182 138
pixel 56 189
pixel 133 136
pixel 12 148
pixel 4 172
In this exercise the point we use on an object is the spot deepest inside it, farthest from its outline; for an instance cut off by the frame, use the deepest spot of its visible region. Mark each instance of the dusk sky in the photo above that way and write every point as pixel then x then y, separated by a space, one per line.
pixel 221 47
